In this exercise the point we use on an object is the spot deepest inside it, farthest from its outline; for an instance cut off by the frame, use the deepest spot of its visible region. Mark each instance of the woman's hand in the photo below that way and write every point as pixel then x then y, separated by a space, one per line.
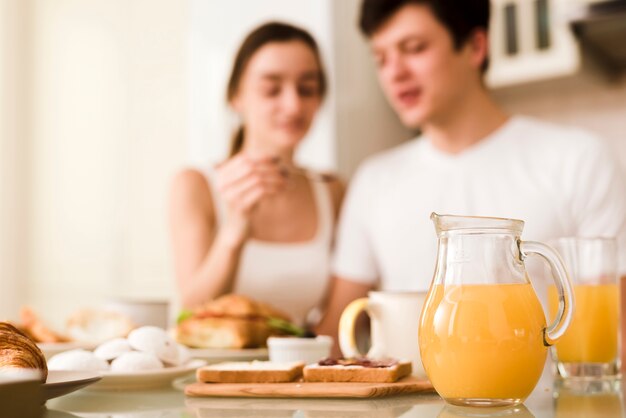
pixel 243 182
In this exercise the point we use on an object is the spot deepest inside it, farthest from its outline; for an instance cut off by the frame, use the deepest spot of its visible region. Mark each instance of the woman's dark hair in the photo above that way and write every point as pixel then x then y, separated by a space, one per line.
pixel 460 17
pixel 264 34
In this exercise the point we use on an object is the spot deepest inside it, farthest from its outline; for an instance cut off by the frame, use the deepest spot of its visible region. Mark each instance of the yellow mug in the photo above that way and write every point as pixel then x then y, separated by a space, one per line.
pixel 394 320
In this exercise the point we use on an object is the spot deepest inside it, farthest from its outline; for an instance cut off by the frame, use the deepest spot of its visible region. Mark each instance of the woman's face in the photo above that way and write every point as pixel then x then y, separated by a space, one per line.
pixel 279 95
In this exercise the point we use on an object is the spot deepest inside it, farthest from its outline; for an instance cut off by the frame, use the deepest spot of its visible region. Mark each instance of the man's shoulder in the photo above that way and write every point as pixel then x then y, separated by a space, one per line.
pixel 559 136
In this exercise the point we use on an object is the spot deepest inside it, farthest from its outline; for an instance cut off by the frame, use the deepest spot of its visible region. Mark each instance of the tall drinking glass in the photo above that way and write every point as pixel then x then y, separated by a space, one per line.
pixel 590 348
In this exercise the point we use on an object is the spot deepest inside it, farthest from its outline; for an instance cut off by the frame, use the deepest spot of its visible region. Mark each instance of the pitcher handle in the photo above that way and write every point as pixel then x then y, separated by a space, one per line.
pixel 563 287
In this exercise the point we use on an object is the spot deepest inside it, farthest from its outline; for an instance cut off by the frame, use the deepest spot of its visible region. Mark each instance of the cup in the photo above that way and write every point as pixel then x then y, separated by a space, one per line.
pixel 590 348
pixel 394 320
pixel 307 350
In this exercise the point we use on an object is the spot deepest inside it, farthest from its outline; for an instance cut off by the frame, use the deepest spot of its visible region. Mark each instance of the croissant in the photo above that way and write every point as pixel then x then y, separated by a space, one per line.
pixel 19 351
pixel 35 328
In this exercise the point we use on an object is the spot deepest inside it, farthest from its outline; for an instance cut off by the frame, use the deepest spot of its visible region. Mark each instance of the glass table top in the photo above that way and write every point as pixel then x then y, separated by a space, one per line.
pixel 549 399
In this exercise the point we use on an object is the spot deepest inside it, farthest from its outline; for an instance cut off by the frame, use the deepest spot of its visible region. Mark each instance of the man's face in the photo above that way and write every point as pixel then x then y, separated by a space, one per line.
pixel 419 70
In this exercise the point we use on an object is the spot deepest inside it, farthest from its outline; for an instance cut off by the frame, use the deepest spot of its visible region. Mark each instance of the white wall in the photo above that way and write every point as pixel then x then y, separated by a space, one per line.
pixel 108 90
pixel 12 158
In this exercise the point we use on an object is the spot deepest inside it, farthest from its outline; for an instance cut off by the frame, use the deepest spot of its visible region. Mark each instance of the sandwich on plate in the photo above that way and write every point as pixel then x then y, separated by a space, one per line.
pixel 230 321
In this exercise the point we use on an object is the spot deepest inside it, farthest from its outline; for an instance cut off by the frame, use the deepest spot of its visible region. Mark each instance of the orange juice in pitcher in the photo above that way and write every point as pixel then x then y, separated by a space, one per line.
pixel 505 353
pixel 483 337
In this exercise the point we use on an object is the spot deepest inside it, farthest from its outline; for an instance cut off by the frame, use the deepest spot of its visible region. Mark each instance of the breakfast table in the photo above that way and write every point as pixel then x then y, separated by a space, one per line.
pixel 549 399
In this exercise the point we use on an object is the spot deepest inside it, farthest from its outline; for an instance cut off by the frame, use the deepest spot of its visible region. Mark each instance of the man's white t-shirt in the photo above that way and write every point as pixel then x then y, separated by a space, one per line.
pixel 560 181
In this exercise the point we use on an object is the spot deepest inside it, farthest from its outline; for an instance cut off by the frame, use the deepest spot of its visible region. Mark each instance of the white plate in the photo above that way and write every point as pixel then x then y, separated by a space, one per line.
pixel 215 355
pixel 62 382
pixel 146 379
pixel 50 349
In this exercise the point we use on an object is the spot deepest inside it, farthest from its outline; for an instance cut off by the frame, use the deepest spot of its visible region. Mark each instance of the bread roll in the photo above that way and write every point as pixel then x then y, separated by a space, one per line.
pixel 35 328
pixel 231 321
pixel 239 306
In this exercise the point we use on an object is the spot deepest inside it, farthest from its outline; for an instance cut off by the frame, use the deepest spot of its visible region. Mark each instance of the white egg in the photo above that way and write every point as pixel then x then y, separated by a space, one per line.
pixel 77 360
pixel 136 361
pixel 155 340
pixel 112 349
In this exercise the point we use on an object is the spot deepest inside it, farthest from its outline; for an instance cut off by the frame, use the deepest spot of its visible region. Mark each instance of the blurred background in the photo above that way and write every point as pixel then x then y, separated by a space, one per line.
pixel 102 101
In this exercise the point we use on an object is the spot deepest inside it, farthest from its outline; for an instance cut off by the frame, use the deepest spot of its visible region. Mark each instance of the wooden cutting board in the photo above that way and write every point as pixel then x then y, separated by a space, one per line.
pixel 309 389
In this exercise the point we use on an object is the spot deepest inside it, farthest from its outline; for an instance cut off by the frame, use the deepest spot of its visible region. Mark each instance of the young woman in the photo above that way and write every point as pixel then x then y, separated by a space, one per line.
pixel 257 224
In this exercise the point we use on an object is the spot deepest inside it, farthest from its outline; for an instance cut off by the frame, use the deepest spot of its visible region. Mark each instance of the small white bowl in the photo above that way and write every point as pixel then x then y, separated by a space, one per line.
pixel 307 350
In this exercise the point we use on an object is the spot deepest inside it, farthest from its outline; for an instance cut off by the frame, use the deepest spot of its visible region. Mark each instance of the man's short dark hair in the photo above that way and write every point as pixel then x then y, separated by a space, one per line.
pixel 460 17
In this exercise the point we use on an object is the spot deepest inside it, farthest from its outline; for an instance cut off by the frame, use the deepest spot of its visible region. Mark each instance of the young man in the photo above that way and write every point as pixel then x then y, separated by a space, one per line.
pixel 471 159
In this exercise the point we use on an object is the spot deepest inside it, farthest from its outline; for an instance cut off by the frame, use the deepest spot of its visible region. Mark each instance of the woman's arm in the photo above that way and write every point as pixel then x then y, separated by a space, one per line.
pixel 205 259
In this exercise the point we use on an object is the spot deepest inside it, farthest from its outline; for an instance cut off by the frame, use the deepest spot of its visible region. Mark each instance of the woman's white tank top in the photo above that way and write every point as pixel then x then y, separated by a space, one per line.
pixel 292 277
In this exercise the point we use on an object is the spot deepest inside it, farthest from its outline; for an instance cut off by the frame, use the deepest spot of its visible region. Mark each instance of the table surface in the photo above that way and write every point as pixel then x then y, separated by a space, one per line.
pixel 549 399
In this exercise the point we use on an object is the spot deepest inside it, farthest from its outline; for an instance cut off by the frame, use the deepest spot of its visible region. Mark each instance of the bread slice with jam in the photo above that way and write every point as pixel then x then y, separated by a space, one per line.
pixel 357 370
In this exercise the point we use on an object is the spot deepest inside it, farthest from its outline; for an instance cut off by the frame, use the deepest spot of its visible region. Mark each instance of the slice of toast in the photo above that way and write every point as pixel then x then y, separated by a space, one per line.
pixel 250 372
pixel 357 373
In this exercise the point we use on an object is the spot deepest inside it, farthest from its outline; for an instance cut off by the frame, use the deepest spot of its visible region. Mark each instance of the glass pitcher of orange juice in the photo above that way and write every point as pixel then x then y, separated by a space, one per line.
pixel 482 335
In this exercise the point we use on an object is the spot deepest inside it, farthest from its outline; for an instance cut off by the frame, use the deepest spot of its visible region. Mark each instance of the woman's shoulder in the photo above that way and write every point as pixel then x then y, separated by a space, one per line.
pixel 190 186
pixel 190 179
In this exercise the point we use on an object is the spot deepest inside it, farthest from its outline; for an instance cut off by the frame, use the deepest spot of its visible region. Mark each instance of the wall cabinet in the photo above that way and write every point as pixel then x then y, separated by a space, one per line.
pixel 530 40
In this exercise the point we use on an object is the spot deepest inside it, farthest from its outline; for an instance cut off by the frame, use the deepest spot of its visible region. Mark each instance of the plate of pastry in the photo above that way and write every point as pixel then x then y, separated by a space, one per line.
pixel 85 329
pixel 21 354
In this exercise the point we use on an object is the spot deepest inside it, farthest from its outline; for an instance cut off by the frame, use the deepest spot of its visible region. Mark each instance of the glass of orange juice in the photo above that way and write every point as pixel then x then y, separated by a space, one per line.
pixel 590 348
